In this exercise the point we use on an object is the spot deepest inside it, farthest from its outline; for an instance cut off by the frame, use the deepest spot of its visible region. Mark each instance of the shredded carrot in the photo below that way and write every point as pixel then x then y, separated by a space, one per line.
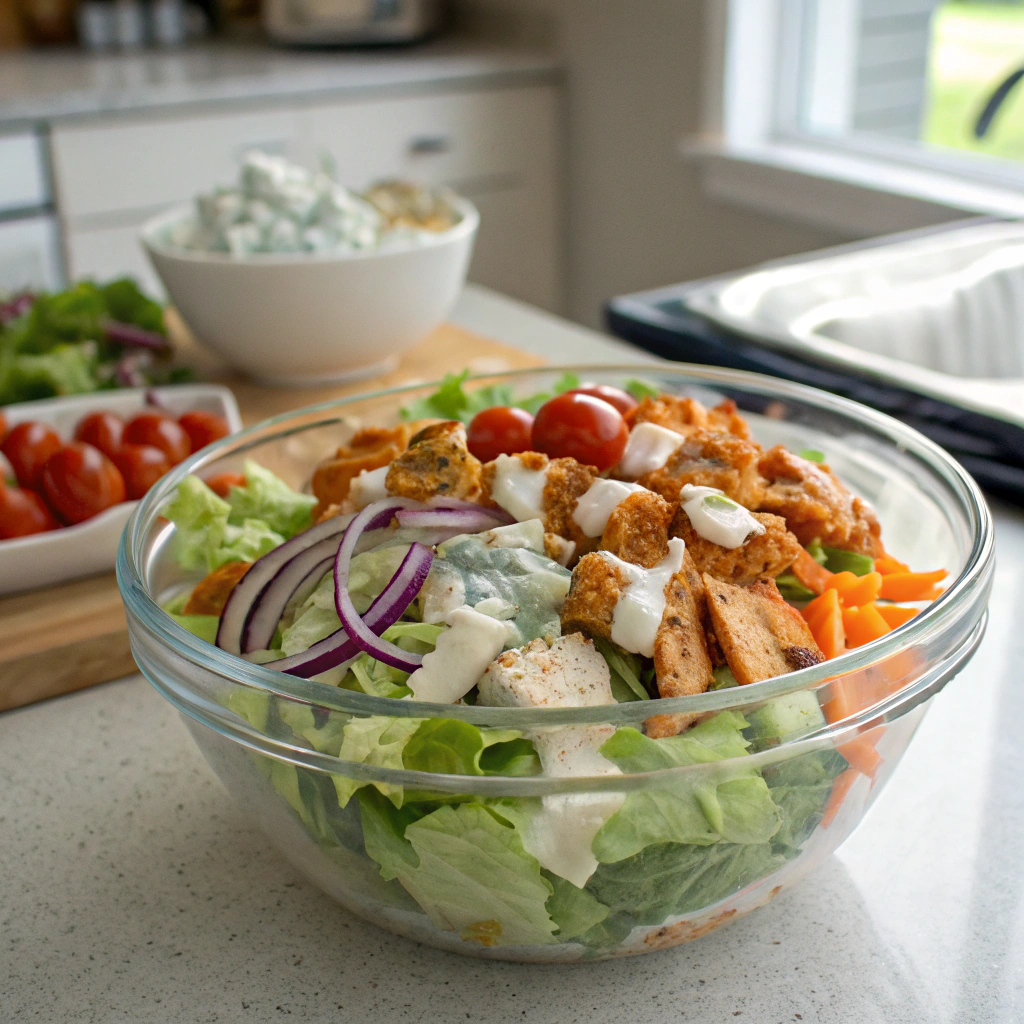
pixel 886 564
pixel 840 790
pixel 895 615
pixel 222 483
pixel 856 590
pixel 912 586
pixel 861 753
pixel 824 617
pixel 812 575
pixel 864 624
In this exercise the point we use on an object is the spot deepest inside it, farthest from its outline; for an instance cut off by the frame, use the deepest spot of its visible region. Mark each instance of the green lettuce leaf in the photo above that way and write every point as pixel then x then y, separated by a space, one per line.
pixel 641 389
pixel 473 877
pixel 573 910
pixel 669 879
pixel 125 302
pixel 625 671
pixel 447 746
pixel 269 499
pixel 801 787
pixel 202 626
pixel 379 741
pixel 325 736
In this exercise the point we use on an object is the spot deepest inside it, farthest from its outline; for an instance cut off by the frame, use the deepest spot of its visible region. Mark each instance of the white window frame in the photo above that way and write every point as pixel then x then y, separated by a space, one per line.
pixel 855 186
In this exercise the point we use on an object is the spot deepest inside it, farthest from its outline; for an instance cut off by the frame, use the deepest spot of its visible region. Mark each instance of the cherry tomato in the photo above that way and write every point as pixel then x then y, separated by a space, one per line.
pixel 161 432
pixel 27 447
pixel 79 481
pixel 501 430
pixel 141 465
pixel 102 430
pixel 581 427
pixel 621 400
pixel 203 428
pixel 23 512
pixel 222 483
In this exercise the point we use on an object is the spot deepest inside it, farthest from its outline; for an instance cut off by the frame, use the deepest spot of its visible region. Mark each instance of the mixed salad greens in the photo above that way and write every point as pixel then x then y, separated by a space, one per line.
pixel 588 546
pixel 86 338
pixel 479 867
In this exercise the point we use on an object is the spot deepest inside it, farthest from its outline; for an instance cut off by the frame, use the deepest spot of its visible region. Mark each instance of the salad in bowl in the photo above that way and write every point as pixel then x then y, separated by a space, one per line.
pixel 562 671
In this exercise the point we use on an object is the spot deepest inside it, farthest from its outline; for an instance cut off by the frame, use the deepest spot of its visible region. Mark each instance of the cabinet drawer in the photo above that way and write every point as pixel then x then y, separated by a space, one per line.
pixel 486 138
pixel 123 167
pixel 111 252
pixel 23 178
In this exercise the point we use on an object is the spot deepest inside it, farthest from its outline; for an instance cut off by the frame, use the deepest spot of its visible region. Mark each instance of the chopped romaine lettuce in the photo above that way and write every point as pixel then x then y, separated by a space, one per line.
pixel 268 498
pixel 625 671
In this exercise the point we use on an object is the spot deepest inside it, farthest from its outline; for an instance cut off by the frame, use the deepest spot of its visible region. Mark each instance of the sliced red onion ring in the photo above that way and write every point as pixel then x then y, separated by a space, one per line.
pixel 471 506
pixel 362 635
pixel 242 601
pixel 463 519
pixel 262 572
pixel 385 611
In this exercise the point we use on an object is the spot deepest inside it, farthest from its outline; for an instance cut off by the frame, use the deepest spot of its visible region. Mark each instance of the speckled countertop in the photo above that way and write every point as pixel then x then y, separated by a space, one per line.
pixel 133 890
pixel 44 86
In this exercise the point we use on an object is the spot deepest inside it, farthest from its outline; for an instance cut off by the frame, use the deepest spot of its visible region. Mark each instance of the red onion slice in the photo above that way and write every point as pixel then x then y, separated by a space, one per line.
pixel 262 572
pixel 462 519
pixel 470 506
pixel 362 636
pixel 385 611
pixel 135 337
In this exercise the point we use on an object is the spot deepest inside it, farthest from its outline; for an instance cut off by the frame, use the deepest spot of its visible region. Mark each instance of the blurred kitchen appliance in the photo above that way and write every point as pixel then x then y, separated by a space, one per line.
pixel 349 22
pixel 926 326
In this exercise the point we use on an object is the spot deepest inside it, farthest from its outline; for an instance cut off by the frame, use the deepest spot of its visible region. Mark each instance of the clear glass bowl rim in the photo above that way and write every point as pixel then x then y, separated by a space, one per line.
pixel 939 617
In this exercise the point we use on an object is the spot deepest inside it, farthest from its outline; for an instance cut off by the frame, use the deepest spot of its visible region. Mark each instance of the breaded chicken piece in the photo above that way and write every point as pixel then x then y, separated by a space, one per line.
pixel 212 592
pixel 637 529
pixel 370 448
pixel 761 636
pixel 437 463
pixel 566 480
pixel 766 554
pixel 814 503
pixel 593 593
pixel 682 664
pixel 685 415
pixel 710 458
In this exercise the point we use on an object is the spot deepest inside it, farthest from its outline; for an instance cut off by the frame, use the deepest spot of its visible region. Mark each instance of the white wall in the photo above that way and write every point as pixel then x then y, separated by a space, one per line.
pixel 637 217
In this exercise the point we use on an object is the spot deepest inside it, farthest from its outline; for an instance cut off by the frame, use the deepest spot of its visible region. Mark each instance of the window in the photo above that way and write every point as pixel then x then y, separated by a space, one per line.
pixel 922 99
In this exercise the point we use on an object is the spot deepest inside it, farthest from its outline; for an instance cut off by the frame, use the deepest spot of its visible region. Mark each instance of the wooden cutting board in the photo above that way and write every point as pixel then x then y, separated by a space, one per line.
pixel 67 637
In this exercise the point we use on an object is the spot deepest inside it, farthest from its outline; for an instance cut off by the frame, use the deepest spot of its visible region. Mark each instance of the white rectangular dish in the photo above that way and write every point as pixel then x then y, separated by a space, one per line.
pixel 90 547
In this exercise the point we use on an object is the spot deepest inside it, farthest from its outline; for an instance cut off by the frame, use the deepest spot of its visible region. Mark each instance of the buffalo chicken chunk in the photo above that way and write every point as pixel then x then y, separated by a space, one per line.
pixel 637 529
pixel 815 504
pixel 438 464
pixel 760 634
pixel 686 415
pixel 766 554
pixel 710 458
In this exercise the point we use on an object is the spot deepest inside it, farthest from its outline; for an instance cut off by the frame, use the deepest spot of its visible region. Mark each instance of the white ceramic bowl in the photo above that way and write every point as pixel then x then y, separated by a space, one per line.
pixel 71 552
pixel 300 318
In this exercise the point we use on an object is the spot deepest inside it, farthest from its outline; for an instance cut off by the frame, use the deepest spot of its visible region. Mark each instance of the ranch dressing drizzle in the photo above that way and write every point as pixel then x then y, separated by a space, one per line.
pixel 648 449
pixel 595 506
pixel 641 605
pixel 718 518
pixel 518 490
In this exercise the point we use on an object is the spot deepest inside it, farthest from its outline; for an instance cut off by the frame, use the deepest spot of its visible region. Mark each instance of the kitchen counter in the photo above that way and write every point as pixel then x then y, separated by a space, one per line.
pixel 46 86
pixel 134 890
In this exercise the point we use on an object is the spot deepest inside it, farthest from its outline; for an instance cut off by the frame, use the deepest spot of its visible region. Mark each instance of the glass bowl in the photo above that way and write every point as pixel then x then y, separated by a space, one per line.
pixel 495 860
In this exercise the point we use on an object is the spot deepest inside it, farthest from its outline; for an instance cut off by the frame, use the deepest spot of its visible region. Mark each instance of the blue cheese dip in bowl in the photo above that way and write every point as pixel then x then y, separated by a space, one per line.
pixel 546 818
pixel 295 280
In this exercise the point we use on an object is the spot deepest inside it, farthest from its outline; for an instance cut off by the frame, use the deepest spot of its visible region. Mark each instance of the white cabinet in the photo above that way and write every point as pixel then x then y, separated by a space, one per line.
pixel 498 147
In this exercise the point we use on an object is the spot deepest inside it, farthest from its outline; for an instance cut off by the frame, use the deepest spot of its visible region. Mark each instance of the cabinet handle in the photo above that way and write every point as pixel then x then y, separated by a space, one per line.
pixel 428 145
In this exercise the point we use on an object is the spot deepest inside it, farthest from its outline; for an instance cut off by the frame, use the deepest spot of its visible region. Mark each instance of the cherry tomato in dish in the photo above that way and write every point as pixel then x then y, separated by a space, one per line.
pixel 621 400
pixel 501 430
pixel 23 512
pixel 161 432
pixel 27 447
pixel 79 481
pixel 222 483
pixel 141 465
pixel 102 430
pixel 581 427
pixel 203 428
